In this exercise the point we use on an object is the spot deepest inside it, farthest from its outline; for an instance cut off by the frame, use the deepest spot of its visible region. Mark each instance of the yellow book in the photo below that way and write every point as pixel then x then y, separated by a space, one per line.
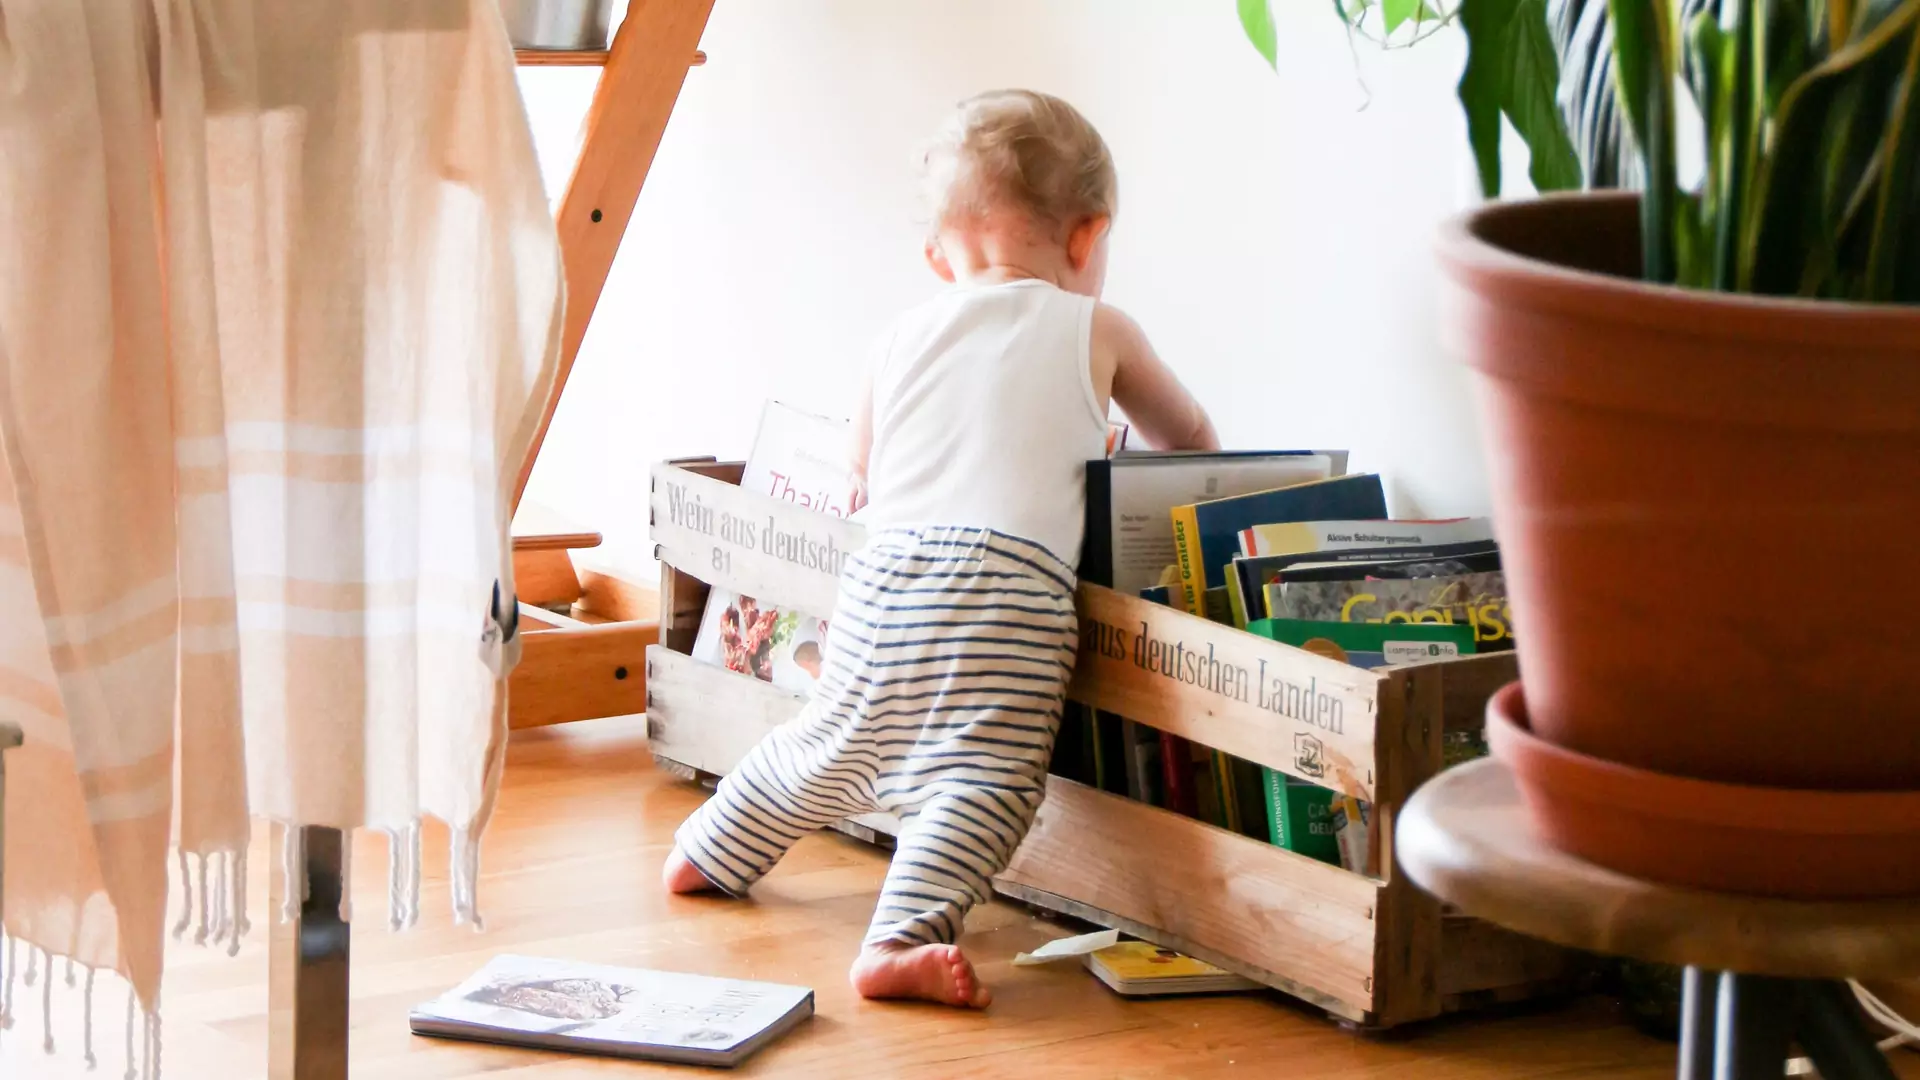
pixel 1141 967
pixel 1186 545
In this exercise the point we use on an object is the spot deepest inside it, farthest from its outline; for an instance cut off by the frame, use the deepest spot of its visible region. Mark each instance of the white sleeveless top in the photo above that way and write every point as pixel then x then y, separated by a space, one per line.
pixel 984 415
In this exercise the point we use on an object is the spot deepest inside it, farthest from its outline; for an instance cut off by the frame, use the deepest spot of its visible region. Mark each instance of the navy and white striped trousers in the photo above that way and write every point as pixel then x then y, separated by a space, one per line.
pixel 945 674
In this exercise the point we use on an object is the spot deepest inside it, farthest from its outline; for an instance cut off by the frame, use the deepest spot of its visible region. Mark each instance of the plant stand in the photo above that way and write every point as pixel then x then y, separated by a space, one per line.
pixel 1762 974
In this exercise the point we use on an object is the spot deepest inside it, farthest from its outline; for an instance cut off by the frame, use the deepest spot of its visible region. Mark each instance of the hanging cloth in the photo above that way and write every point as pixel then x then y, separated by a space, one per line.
pixel 279 311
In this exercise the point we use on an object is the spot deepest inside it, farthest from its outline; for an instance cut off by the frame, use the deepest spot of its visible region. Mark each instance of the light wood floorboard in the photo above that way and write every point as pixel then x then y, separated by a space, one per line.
pixel 571 870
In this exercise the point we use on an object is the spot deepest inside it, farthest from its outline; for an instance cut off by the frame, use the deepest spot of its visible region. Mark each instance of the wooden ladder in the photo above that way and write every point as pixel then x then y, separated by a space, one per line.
pixel 591 660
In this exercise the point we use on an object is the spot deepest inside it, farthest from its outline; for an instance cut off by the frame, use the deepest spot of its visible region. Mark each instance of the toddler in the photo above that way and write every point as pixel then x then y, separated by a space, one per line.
pixel 948 655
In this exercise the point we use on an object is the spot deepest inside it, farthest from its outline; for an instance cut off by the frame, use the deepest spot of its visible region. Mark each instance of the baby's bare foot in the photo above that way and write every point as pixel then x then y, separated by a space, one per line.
pixel 940 973
pixel 681 876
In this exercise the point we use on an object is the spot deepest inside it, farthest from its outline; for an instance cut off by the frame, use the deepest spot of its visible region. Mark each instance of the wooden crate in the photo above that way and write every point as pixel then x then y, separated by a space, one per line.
pixel 1368 948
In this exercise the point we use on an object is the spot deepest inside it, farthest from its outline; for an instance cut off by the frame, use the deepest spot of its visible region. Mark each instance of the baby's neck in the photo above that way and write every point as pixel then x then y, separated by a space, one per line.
pixel 988 258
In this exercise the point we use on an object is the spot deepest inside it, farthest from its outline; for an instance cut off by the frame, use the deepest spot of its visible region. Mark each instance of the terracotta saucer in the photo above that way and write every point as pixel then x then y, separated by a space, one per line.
pixel 1779 842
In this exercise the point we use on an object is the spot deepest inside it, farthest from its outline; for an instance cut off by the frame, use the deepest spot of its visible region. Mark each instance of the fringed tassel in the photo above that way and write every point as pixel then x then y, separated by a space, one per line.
pixel 410 875
pixel 346 876
pixel 6 988
pixel 132 1062
pixel 86 1029
pixel 393 879
pixel 241 924
pixel 465 862
pixel 222 891
pixel 293 878
pixel 32 967
pixel 200 935
pixel 46 1008
pixel 153 1043
pixel 186 896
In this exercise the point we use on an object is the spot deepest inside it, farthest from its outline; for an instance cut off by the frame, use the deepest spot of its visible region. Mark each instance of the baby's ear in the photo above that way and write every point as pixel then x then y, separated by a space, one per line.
pixel 937 259
pixel 1084 238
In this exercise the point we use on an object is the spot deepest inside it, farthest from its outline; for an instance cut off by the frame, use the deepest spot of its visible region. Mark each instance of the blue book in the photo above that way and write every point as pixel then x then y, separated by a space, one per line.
pixel 1206 535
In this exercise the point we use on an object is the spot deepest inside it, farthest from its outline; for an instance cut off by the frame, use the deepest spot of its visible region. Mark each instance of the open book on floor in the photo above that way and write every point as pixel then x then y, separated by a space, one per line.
pixel 620 1012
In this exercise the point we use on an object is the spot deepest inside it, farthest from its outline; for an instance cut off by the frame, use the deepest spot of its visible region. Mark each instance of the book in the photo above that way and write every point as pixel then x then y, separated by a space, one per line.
pixel 619 1012
pixel 1371 645
pixel 1318 822
pixel 1225 789
pixel 1299 814
pixel 1141 968
pixel 1432 566
pixel 801 458
pixel 1248 576
pixel 1477 600
pixel 1289 537
pixel 1129 536
pixel 1207 534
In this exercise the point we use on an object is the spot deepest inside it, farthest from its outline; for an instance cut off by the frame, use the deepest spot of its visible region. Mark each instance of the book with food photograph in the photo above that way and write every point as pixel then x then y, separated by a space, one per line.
pixel 621 1012
pixel 803 459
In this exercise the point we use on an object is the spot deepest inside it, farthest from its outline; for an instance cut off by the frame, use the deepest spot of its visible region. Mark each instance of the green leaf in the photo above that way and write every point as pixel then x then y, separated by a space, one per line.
pixel 1786 213
pixel 1643 65
pixel 1257 20
pixel 1397 12
pixel 1513 70
pixel 1726 60
pixel 1483 84
pixel 1533 81
pixel 1891 226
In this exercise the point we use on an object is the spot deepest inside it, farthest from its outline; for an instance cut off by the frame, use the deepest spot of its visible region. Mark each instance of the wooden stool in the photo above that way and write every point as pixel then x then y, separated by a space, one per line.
pixel 1760 974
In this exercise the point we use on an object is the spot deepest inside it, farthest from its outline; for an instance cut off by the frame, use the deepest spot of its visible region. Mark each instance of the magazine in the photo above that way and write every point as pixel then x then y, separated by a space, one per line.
pixel 801 458
pixel 623 1012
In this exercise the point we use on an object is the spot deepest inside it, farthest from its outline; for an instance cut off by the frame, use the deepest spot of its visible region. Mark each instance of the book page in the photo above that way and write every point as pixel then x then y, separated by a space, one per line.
pixel 1145 491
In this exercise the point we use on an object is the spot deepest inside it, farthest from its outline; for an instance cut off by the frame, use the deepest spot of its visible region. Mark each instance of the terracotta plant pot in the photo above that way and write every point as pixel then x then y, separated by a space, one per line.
pixel 1707 504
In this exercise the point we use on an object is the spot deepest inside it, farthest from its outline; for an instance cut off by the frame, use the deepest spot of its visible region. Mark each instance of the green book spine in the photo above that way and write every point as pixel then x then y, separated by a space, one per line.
pixel 1302 817
pixel 1276 784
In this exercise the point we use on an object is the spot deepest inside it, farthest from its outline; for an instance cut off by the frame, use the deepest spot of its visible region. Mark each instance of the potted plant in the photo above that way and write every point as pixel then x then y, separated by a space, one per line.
pixel 1702 415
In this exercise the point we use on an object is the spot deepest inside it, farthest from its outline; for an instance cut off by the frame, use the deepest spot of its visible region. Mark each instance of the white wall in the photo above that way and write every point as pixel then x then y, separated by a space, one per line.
pixel 1274 238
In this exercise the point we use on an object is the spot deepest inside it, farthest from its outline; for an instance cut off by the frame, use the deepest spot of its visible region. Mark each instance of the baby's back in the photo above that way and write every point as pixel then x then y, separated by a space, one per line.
pixel 985 415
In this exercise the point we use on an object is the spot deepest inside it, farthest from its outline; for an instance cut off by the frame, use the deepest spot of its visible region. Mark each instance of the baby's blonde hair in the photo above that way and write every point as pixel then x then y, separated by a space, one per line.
pixel 1019 150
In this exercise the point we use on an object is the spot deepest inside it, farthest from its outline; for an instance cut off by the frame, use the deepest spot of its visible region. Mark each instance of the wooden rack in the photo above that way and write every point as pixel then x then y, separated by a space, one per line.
pixel 584 651
pixel 1369 949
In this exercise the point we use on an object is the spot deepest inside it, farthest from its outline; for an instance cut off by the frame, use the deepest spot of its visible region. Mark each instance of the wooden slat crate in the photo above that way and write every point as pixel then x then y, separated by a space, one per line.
pixel 1368 948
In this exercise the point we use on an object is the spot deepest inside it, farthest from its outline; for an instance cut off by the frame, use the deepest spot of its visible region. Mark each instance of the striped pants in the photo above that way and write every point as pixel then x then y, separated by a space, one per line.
pixel 946 671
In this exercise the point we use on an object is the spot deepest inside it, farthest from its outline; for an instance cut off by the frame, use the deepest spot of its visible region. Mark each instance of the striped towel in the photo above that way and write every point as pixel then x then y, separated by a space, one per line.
pixel 946 672
pixel 279 311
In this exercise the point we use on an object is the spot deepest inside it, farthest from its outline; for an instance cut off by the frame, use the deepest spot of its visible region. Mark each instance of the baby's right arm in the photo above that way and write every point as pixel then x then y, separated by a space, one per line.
pixel 1127 372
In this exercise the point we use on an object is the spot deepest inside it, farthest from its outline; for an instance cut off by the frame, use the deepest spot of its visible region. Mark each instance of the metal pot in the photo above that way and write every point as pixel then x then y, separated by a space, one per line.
pixel 557 24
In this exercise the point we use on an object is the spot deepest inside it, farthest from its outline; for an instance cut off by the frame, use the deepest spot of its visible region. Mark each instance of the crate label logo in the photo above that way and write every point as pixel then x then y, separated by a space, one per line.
pixel 1308 756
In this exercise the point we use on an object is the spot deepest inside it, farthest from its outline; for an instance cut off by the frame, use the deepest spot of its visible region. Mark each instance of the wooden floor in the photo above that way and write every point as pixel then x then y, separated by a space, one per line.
pixel 571 870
